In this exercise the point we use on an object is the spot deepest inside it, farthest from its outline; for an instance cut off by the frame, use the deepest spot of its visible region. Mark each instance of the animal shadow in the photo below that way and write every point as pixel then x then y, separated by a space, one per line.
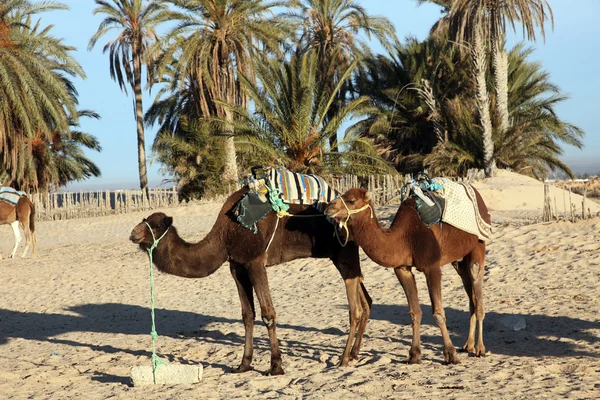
pixel 533 341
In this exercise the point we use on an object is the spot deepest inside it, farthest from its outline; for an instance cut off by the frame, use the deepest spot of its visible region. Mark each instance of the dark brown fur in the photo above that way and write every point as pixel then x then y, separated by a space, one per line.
pixel 410 243
pixel 228 241
pixel 24 212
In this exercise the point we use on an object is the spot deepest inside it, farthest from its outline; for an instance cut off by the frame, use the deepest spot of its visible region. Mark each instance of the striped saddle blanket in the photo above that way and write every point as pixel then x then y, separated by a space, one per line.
pixel 301 188
pixel 295 188
pixel 10 195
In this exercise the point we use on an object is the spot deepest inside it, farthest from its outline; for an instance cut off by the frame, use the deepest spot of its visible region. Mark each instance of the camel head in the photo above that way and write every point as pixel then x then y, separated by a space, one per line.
pixel 141 233
pixel 353 202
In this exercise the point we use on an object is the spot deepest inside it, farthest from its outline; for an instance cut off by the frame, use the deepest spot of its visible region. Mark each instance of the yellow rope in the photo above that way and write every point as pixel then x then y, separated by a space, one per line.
pixel 344 224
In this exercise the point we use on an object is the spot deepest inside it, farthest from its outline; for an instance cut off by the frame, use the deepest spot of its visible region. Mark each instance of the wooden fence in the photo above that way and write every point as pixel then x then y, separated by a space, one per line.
pixel 384 188
pixel 53 206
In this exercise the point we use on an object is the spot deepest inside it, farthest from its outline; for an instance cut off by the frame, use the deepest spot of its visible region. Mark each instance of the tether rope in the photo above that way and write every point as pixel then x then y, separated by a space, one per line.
pixel 155 360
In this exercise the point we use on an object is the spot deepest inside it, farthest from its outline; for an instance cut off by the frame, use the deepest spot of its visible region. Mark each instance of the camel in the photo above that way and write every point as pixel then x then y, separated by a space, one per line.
pixel 23 214
pixel 410 243
pixel 294 238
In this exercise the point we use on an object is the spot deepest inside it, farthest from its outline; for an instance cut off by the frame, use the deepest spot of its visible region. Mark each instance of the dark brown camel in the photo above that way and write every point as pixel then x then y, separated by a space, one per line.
pixel 294 238
pixel 23 214
pixel 410 243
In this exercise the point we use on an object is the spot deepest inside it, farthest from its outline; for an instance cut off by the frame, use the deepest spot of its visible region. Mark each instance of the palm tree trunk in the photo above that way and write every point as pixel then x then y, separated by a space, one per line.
pixel 230 173
pixel 501 83
pixel 139 118
pixel 483 102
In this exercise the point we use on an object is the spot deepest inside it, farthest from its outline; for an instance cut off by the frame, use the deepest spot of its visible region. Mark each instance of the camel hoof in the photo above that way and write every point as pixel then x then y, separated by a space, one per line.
pixel 241 369
pixel 451 357
pixel 414 358
pixel 276 370
pixel 344 363
pixel 480 352
pixel 468 348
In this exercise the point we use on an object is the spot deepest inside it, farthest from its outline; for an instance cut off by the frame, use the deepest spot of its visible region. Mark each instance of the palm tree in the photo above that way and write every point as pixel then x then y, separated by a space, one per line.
pixel 431 125
pixel 59 158
pixel 531 145
pixel 214 42
pixel 332 28
pixel 289 124
pixel 194 158
pixel 480 22
pixel 414 96
pixel 36 98
pixel 136 22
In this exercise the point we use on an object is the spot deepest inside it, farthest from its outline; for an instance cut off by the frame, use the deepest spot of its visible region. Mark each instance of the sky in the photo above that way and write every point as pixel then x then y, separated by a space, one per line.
pixel 570 54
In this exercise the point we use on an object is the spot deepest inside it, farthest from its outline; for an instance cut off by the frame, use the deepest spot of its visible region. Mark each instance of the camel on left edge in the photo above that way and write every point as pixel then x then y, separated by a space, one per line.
pixel 20 214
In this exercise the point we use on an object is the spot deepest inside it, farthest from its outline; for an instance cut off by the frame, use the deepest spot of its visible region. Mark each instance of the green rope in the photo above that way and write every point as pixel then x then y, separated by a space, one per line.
pixel 276 201
pixel 155 360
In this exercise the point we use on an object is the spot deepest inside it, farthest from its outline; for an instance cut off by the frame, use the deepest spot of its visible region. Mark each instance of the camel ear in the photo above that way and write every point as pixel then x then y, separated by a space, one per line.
pixel 367 196
pixel 168 221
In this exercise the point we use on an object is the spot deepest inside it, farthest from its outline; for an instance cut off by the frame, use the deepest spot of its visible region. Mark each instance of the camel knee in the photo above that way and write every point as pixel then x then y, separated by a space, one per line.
pixel 269 320
pixel 356 315
pixel 480 312
pixel 476 271
pixel 440 319
pixel 416 316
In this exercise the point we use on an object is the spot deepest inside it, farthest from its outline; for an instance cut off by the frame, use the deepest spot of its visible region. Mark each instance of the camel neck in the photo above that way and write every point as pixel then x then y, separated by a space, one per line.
pixel 386 247
pixel 175 256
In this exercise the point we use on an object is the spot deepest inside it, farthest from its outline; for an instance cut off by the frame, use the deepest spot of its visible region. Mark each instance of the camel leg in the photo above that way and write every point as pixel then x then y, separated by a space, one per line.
pixel 407 280
pixel 34 242
pixel 348 263
pixel 471 270
pixel 242 281
pixel 463 270
pixel 433 276
pixel 260 283
pixel 15 227
pixel 25 226
pixel 366 302
pixel 477 269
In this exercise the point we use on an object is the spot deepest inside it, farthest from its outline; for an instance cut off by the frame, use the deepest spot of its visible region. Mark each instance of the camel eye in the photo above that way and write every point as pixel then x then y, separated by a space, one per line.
pixel 351 201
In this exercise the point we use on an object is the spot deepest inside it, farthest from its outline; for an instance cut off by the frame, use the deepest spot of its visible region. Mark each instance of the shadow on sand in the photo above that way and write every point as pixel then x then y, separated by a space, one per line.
pixel 538 339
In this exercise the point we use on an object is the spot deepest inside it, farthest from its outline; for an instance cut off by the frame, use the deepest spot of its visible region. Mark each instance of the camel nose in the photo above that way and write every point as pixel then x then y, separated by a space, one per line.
pixel 330 211
pixel 135 236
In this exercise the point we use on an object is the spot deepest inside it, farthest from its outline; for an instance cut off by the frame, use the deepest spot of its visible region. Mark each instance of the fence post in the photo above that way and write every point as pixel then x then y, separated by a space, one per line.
pixel 547 213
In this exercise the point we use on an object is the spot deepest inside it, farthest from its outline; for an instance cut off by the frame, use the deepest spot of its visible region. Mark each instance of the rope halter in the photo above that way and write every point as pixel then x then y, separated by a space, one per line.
pixel 344 224
pixel 155 243
pixel 155 360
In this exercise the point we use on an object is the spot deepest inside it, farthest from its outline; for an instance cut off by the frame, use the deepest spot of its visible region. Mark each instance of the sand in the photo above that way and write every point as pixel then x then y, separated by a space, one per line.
pixel 75 319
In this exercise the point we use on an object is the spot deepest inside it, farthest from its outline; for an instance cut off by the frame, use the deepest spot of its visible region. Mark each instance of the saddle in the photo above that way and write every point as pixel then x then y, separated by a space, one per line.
pixel 10 195
pixel 430 203
pixel 442 200
pixel 273 189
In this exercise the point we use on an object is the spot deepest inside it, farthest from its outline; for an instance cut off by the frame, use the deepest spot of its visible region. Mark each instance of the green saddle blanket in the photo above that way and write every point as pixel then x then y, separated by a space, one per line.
pixel 251 209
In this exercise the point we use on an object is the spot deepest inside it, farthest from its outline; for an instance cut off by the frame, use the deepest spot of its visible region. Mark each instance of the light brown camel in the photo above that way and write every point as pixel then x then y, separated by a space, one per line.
pixel 294 238
pixel 23 214
pixel 410 243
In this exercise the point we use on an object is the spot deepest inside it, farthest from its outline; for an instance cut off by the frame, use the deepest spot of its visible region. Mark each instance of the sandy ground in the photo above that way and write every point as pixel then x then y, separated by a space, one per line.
pixel 75 319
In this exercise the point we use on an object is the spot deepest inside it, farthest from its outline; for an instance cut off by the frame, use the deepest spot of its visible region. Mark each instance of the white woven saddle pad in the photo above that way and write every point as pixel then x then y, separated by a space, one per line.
pixel 461 209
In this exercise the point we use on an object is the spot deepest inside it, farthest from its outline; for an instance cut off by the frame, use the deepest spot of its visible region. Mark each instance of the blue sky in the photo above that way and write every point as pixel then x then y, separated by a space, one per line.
pixel 566 54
